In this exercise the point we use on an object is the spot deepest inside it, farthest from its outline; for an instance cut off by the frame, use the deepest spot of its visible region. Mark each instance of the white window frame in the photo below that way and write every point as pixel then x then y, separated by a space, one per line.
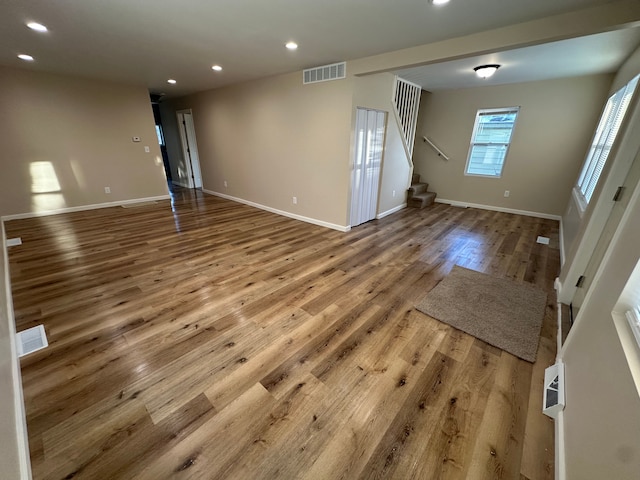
pixel 490 111
pixel 633 317
pixel 602 143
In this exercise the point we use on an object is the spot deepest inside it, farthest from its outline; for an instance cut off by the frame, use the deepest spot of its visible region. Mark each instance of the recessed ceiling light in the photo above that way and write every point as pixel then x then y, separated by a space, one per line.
pixel 485 71
pixel 38 27
pixel 217 68
pixel 25 57
pixel 291 45
pixel 439 2
pixel 171 81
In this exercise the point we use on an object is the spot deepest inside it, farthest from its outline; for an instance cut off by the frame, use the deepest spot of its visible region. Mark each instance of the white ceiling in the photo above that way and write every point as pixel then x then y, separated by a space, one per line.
pixel 148 41
pixel 601 53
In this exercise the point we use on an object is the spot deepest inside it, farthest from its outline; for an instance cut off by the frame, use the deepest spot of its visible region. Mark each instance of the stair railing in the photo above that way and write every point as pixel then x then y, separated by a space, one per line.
pixel 433 145
pixel 406 101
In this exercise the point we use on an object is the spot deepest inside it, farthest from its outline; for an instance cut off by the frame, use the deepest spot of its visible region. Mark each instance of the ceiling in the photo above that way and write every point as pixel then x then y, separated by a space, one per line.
pixel 149 41
pixel 589 55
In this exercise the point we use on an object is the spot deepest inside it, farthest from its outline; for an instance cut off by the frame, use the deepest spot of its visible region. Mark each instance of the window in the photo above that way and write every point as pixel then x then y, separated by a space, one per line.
pixel 490 141
pixel 160 134
pixel 602 142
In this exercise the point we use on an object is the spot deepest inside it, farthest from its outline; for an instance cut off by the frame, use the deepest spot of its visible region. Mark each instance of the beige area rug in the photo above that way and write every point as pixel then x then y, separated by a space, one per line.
pixel 503 313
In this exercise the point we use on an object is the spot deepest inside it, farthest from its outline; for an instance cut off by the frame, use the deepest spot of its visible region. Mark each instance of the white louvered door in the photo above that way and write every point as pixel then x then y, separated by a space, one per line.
pixel 370 128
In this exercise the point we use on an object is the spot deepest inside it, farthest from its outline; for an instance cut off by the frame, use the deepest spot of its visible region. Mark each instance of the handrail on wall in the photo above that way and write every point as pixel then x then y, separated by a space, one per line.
pixel 440 152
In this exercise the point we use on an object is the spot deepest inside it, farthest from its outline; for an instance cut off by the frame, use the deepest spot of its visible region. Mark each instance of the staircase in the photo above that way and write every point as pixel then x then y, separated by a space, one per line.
pixel 417 195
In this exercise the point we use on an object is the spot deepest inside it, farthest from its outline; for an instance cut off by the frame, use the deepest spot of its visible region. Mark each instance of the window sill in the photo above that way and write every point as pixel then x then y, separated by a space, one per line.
pixel 581 204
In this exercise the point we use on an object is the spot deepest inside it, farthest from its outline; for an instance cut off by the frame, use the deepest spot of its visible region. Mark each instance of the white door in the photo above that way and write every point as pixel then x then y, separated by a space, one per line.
pixel 192 174
pixel 370 128
pixel 621 202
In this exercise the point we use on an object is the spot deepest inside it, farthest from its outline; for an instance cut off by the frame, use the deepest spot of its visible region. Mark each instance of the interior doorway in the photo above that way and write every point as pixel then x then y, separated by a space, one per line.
pixel 365 179
pixel 155 105
pixel 191 176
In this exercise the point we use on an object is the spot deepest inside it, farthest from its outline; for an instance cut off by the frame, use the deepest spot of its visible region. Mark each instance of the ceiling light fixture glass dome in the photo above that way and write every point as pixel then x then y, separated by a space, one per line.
pixel 485 71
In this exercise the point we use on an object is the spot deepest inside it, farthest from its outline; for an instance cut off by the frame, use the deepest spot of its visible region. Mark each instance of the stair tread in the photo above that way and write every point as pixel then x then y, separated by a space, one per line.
pixel 424 195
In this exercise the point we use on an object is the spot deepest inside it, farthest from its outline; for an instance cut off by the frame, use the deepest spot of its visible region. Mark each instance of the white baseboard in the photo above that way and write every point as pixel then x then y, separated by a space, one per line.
pixel 559 321
pixel 561 244
pixel 561 467
pixel 82 208
pixel 389 212
pixel 456 203
pixel 302 218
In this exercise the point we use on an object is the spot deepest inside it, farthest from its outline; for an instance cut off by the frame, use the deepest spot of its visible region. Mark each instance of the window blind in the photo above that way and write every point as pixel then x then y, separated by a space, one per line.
pixel 604 138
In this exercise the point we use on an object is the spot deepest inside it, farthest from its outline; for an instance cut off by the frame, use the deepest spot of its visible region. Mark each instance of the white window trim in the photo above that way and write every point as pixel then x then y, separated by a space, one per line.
pixel 580 201
pixel 584 180
pixel 473 135
pixel 633 317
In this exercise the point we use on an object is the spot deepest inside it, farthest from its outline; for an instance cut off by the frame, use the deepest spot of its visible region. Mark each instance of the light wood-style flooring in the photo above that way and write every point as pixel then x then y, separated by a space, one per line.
pixel 205 339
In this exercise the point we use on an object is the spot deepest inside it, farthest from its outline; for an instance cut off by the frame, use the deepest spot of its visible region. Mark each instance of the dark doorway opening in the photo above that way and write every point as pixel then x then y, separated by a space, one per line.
pixel 155 104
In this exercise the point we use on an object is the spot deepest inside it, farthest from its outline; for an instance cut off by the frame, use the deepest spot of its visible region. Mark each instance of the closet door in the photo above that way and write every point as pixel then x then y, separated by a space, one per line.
pixel 370 127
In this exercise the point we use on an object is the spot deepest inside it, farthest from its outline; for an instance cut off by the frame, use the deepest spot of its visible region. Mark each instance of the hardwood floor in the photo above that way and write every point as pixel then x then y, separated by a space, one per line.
pixel 215 340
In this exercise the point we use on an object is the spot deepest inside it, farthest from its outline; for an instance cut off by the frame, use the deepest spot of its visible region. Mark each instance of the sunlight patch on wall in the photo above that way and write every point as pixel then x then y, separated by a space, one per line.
pixel 44 187
pixel 77 173
pixel 43 178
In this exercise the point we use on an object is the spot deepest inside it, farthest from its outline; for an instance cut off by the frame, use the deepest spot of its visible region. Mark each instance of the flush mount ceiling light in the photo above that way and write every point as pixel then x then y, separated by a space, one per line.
pixel 25 57
pixel 439 2
pixel 217 68
pixel 38 27
pixel 171 81
pixel 291 45
pixel 485 71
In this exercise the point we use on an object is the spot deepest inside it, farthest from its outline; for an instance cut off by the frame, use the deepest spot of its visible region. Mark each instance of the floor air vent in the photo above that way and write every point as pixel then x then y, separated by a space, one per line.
pixel 325 73
pixel 31 340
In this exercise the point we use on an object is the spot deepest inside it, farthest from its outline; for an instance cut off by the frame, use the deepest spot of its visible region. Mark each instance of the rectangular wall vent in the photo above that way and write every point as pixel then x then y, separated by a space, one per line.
pixel 31 340
pixel 325 73
pixel 553 401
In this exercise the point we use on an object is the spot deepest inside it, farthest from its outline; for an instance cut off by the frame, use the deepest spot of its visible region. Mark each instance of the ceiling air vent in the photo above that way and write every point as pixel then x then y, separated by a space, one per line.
pixel 324 73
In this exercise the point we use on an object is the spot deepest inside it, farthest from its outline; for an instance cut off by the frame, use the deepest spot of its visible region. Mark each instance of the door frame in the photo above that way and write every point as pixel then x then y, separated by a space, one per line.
pixel 190 155
pixel 353 158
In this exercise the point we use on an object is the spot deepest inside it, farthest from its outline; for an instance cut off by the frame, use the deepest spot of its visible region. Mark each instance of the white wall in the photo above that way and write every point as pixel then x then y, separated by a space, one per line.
pixel 601 419
pixel 376 91
pixel 65 138
pixel 602 413
pixel 555 123
pixel 581 230
pixel 274 139
pixel 14 451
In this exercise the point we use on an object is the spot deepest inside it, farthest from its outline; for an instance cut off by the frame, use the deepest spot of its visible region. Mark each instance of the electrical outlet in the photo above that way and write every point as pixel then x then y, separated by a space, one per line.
pixel 295 200
pixel 107 189
pixel 393 194
pixel 225 184
pixel 507 193
pixel 147 149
